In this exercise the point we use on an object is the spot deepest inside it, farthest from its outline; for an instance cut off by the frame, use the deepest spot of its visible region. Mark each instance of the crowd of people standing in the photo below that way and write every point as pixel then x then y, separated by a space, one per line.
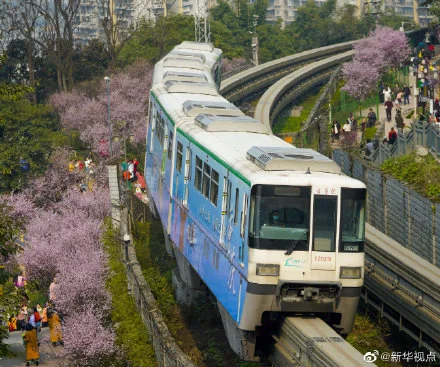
pixel 30 320
pixel 132 177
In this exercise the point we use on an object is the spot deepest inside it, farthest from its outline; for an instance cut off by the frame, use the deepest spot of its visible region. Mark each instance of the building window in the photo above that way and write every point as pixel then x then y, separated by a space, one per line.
pixel 179 156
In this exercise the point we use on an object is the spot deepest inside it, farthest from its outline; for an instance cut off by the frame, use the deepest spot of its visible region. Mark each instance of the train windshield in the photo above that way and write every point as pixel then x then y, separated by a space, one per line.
pixel 279 217
pixel 352 220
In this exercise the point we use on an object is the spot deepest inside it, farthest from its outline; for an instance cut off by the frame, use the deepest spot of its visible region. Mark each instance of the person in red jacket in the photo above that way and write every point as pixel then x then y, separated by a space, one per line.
pixel 392 136
pixel 141 180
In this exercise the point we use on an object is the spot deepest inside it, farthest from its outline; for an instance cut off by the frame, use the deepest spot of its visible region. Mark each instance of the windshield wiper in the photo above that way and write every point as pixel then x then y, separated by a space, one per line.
pixel 295 243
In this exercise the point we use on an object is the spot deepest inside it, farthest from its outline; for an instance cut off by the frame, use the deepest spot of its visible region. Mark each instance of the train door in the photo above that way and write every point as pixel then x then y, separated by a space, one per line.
pixel 187 177
pixel 165 149
pixel 324 232
pixel 243 225
pixel 226 204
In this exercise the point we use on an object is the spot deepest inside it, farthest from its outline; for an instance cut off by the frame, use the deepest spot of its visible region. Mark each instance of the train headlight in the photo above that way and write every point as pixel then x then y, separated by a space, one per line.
pixel 268 269
pixel 350 273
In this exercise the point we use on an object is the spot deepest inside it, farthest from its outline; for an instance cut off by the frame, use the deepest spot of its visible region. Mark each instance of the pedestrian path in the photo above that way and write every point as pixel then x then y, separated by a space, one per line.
pixel 48 352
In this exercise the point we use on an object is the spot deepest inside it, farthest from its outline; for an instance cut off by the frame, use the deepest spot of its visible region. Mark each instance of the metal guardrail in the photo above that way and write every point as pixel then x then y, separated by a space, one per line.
pixel 420 134
pixel 408 285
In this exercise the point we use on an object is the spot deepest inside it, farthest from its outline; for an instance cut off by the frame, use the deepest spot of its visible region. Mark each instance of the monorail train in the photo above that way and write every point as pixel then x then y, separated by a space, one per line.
pixel 269 228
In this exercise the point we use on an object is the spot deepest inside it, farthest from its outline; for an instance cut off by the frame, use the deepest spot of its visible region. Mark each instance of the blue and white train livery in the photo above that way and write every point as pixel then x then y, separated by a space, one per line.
pixel 270 229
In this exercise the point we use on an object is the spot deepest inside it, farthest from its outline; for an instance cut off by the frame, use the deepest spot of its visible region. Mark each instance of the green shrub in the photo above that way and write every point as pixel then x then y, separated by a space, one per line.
pixel 131 333
pixel 421 173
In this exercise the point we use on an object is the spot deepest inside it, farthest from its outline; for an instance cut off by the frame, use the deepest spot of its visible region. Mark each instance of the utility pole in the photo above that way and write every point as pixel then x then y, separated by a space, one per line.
pixel 373 9
pixel 255 50
pixel 107 84
pixel 202 27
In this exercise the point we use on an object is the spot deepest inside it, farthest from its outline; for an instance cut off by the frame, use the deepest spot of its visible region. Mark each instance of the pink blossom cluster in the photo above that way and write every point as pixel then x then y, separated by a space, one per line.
pixel 384 48
pixel 128 95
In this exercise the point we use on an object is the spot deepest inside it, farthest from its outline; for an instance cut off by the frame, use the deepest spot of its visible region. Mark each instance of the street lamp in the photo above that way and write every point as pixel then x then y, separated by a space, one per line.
pixel 124 132
pixel 107 84
pixel 127 239
pixel 401 29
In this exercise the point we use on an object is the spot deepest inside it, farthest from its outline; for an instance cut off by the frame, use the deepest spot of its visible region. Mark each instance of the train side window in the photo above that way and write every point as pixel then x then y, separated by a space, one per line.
pixel 228 203
pixel 213 195
pixel 153 118
pixel 160 129
pixel 198 175
pixel 206 180
pixel 244 215
pixel 237 195
pixel 170 145
pixel 179 156
pixel 225 201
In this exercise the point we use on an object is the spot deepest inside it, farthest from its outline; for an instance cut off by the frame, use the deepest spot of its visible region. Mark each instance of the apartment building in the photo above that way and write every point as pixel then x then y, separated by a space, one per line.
pixel 92 13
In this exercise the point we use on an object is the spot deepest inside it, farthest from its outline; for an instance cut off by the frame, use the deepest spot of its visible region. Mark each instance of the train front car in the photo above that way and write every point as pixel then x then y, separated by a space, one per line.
pixel 306 240
pixel 270 229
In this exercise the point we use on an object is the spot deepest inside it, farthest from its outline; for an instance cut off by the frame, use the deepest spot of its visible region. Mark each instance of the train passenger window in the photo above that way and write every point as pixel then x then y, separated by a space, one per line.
pixel 324 223
pixel 198 175
pixel 244 215
pixel 206 180
pixel 237 195
pixel 160 129
pixel 170 145
pixel 214 187
pixel 228 203
pixel 206 186
pixel 179 156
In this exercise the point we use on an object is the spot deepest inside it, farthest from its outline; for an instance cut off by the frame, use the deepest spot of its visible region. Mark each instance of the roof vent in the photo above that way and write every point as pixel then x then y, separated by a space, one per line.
pixel 184 76
pixel 194 108
pixel 180 59
pixel 225 123
pixel 188 55
pixel 173 86
pixel 291 159
pixel 190 45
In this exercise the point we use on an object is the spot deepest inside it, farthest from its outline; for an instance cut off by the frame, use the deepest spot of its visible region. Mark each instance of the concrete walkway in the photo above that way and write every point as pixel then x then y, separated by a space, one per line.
pixel 406 109
pixel 48 352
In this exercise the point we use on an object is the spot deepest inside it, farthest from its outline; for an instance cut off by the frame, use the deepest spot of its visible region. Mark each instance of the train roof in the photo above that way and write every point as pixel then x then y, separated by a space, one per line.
pixel 238 141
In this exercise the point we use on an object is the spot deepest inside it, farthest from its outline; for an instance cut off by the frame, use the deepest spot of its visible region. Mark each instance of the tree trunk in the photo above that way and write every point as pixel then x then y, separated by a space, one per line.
pixel 31 69
pixel 59 80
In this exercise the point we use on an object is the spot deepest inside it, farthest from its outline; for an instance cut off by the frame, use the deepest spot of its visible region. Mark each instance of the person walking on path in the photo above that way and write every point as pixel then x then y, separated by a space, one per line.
pixel 388 107
pixel 386 93
pixel 406 94
pixel 44 320
pixel 372 118
pixel 31 343
pixel 336 130
pixel 56 333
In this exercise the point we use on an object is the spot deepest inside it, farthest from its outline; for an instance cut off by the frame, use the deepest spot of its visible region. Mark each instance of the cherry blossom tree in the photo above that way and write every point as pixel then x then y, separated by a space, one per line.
pixel 87 342
pixel 384 49
pixel 128 104
pixel 64 241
